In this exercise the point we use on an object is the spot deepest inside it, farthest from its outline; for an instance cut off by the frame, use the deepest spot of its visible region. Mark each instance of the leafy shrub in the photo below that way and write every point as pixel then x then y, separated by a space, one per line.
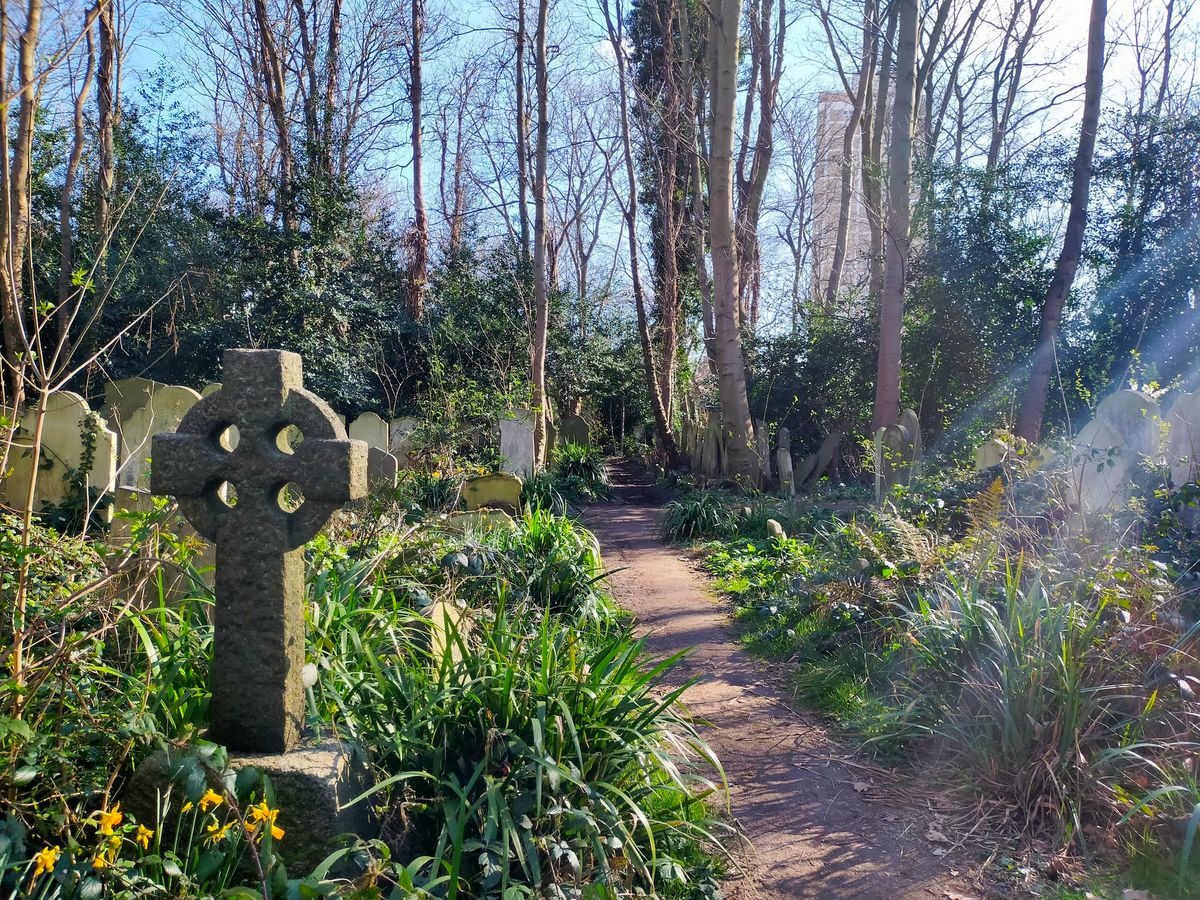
pixel 700 515
pixel 581 468
pixel 541 492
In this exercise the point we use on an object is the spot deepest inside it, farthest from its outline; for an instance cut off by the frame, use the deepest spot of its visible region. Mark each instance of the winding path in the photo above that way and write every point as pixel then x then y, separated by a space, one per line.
pixel 810 831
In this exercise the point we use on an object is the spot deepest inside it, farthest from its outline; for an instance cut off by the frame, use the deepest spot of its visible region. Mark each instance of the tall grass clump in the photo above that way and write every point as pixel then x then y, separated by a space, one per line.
pixel 704 514
pixel 523 743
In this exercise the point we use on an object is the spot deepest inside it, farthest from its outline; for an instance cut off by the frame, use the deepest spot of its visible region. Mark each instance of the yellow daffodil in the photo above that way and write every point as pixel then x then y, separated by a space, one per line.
pixel 144 835
pixel 45 860
pixel 211 798
pixel 261 813
pixel 110 819
pixel 114 844
pixel 216 833
pixel 99 862
pixel 188 807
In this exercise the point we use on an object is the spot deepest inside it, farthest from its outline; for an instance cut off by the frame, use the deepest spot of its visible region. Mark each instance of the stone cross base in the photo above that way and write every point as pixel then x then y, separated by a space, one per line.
pixel 313 786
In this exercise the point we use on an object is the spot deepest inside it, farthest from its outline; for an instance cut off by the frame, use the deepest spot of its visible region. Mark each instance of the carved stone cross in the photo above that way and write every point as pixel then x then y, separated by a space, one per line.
pixel 240 489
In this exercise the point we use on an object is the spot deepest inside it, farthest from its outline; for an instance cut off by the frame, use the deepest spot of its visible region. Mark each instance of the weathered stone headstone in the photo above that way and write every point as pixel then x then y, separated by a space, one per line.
pixel 710 451
pixel 258 652
pixel 402 442
pixel 575 430
pixel 493 492
pixel 1127 427
pixel 164 409
pixel 991 453
pixel 775 530
pixel 915 450
pixel 382 469
pixel 1183 439
pixel 762 450
pixel 74 439
pixel 516 443
pixel 124 397
pixel 371 430
pixel 783 462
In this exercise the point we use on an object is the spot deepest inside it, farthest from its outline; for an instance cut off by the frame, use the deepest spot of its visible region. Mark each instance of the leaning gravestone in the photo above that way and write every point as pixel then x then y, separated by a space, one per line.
pixel 516 443
pixel 256 678
pixel 74 440
pixel 1126 429
pixel 493 492
pixel 370 429
pixel 783 462
pixel 575 430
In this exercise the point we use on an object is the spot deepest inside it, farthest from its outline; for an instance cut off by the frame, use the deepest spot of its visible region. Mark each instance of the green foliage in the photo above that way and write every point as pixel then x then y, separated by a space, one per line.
pixel 699 515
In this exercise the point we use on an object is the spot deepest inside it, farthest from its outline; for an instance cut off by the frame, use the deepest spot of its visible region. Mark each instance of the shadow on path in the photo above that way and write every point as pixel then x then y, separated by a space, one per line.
pixel 811 833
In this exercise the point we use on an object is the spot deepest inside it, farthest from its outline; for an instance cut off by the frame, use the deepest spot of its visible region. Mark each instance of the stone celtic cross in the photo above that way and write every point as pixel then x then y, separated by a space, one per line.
pixel 240 489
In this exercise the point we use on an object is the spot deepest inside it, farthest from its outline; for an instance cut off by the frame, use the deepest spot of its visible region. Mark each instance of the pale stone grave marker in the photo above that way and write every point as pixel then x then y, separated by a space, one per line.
pixel 164 409
pixel 402 441
pixel 516 443
pixel 1126 428
pixel 67 429
pixel 783 462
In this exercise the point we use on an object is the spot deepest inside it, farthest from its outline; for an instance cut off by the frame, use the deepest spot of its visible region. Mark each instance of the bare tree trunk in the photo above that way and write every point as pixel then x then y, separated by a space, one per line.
pixel 106 107
pixel 275 93
pixel 662 423
pixel 735 404
pixel 419 247
pixel 1033 408
pixel 540 237
pixel 522 135
pixel 66 250
pixel 891 299
pixel 872 156
pixel 866 73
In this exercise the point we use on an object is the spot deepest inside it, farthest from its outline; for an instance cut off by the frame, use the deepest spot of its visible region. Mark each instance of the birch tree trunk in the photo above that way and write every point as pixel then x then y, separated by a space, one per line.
pixel 891 298
pixel 735 405
pixel 1033 407
pixel 541 286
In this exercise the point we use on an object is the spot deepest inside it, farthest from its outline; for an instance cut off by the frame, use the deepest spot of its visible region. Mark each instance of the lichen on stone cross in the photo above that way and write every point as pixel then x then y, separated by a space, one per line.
pixel 245 483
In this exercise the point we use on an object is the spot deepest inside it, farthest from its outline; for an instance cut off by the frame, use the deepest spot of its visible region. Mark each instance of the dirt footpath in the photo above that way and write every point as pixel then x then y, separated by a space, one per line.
pixel 811 831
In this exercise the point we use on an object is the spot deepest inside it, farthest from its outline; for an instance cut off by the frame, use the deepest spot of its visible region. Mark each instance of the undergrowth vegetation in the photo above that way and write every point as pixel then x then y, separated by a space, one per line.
pixel 1048 664
pixel 522 744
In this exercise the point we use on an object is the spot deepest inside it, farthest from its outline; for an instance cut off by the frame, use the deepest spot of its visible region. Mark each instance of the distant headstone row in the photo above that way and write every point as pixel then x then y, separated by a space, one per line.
pixel 108 449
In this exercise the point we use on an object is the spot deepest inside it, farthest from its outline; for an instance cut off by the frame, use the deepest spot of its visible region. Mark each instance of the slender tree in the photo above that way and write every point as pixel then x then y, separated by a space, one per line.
pixel 541 275
pixel 1033 407
pixel 419 238
pixel 891 299
pixel 723 50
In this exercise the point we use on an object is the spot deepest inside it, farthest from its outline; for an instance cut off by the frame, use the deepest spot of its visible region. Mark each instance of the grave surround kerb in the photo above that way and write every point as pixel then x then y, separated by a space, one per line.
pixel 258 653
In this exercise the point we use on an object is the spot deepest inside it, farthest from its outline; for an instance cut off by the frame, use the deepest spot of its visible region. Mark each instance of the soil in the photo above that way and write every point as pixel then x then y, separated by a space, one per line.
pixel 801 799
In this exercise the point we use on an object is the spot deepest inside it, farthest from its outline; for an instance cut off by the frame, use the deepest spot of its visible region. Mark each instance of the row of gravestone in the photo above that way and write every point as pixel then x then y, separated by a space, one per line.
pixel 1130 428
pixel 108 449
pixel 702 445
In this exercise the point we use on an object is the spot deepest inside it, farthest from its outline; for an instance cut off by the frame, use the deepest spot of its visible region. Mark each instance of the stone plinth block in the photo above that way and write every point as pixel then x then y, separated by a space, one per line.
pixel 314 786
pixel 493 492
